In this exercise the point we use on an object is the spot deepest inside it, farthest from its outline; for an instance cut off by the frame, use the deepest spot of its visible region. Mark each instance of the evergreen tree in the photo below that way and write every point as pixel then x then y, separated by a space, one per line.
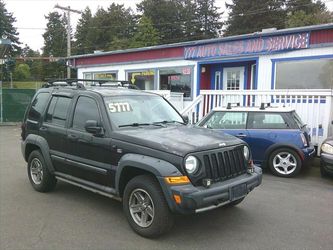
pixel 8 30
pixel 166 18
pixel 250 16
pixel 146 34
pixel 208 18
pixel 82 44
pixel 307 12
pixel 190 22
pixel 55 36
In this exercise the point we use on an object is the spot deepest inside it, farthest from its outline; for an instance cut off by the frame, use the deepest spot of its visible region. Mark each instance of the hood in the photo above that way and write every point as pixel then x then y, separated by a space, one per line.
pixel 176 139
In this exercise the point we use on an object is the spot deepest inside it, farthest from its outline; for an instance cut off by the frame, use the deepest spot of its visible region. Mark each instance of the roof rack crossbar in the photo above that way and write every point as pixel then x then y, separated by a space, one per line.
pixel 236 104
pixel 77 82
pixel 263 107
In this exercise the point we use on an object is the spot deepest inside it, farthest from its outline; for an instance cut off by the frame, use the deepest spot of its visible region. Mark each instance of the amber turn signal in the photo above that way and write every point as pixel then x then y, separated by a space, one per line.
pixel 177 180
pixel 177 198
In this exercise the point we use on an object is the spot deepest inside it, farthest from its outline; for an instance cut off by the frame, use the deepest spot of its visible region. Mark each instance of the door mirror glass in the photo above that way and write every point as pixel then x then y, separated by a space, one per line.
pixel 94 128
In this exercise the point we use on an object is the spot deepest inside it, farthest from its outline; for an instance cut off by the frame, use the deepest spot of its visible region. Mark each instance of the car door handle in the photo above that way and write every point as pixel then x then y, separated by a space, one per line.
pixel 241 135
pixel 72 137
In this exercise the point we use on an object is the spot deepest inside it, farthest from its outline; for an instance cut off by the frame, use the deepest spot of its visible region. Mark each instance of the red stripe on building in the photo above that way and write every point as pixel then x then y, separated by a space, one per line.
pixel 131 56
pixel 321 36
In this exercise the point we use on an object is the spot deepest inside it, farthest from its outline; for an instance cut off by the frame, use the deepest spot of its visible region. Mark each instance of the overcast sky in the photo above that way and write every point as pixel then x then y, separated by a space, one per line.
pixel 30 14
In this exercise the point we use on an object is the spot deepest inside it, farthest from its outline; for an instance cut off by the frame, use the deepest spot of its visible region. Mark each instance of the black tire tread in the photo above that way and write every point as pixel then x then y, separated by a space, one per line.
pixel 49 181
pixel 163 220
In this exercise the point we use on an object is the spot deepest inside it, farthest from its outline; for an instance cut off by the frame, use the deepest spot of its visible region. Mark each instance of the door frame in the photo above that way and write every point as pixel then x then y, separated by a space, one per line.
pixel 241 76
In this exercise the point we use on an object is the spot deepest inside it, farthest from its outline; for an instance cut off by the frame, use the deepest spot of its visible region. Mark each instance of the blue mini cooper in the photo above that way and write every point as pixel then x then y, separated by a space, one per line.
pixel 277 136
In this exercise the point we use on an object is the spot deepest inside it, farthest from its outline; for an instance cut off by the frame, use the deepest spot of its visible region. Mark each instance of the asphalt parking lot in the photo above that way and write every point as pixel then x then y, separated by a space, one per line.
pixel 280 214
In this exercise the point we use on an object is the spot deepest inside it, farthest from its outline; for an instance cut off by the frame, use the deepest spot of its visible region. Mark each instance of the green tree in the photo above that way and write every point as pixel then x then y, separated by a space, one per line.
pixel 146 34
pixel 166 18
pixel 83 44
pixel 8 30
pixel 208 18
pixel 22 72
pixel 250 16
pixel 55 36
pixel 306 12
pixel 107 29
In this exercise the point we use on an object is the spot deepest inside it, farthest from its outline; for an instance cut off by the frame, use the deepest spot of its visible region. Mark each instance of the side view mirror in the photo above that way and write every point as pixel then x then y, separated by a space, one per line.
pixel 94 128
pixel 185 118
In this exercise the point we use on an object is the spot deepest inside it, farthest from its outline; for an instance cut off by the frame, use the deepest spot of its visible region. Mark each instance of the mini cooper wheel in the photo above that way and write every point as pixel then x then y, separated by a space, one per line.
pixel 146 208
pixel 39 176
pixel 285 162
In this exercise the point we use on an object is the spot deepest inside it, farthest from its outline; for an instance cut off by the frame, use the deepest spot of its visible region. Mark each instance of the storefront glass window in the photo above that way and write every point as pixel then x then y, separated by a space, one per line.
pixel 304 74
pixel 177 80
pixel 105 76
pixel 142 79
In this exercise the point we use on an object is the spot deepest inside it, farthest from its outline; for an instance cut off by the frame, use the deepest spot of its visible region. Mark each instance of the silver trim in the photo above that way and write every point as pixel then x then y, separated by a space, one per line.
pixel 200 210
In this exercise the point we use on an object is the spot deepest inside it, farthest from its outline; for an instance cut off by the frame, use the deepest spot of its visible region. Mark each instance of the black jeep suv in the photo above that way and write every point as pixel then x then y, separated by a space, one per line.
pixel 135 147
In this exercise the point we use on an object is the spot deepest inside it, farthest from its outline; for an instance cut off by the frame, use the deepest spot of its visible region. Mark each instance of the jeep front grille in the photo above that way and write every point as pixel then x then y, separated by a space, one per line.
pixel 226 164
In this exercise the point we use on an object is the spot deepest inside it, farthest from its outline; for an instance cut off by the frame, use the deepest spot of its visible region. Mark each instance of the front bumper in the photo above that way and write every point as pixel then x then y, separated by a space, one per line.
pixel 309 152
pixel 326 162
pixel 197 199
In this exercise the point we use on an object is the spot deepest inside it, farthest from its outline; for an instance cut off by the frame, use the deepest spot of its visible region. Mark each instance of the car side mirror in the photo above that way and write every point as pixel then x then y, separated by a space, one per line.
pixel 94 128
pixel 185 118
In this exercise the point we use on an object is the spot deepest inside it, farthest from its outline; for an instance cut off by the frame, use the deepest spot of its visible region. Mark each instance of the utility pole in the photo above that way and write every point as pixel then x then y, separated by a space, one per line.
pixel 68 10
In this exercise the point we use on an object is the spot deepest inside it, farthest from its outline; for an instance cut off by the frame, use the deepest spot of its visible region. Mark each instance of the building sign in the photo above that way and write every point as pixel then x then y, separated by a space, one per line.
pixel 249 46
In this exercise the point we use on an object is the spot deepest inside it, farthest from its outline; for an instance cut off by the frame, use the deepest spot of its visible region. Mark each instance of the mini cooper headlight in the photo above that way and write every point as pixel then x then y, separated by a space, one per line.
pixel 327 148
pixel 191 164
pixel 246 152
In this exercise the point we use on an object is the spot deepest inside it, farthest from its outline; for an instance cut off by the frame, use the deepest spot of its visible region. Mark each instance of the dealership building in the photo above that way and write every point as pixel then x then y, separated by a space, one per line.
pixel 292 67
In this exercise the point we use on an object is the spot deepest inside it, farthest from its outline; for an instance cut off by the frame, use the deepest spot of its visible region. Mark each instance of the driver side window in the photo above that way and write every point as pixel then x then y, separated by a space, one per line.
pixel 227 120
pixel 86 109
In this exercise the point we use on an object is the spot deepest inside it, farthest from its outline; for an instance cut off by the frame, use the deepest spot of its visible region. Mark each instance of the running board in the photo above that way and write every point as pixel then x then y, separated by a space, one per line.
pixel 87 185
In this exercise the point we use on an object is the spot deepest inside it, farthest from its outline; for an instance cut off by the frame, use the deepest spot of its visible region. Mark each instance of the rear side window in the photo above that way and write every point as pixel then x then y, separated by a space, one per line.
pixel 37 106
pixel 266 121
pixel 86 109
pixel 227 120
pixel 57 111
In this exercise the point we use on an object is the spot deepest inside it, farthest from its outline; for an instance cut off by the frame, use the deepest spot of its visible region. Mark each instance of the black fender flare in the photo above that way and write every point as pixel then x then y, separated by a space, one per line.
pixel 43 146
pixel 273 147
pixel 159 168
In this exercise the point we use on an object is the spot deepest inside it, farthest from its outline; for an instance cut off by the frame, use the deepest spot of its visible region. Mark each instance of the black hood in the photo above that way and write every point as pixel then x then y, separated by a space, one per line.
pixel 176 139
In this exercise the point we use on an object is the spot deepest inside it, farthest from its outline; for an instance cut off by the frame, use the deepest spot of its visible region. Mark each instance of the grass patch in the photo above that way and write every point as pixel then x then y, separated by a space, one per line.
pixel 23 85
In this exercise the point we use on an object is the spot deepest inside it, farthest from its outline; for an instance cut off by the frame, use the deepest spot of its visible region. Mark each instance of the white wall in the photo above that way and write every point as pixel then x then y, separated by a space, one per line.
pixel 265 63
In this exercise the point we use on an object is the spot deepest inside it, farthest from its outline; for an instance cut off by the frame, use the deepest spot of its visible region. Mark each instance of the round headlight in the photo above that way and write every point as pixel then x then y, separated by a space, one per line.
pixel 191 164
pixel 246 152
pixel 327 148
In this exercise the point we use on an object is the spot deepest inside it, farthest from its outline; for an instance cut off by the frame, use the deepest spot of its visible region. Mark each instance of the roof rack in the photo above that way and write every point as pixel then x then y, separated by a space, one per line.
pixel 79 85
pixel 235 104
pixel 263 107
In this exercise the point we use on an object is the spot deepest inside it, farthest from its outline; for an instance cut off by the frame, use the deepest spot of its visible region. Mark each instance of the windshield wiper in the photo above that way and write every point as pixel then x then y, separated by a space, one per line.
pixel 165 122
pixel 136 124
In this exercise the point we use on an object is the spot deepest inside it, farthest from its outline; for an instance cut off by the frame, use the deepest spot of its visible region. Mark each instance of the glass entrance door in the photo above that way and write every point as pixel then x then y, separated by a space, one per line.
pixel 233 78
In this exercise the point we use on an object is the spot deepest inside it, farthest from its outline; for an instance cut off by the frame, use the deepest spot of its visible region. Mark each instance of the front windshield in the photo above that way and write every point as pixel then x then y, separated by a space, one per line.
pixel 140 110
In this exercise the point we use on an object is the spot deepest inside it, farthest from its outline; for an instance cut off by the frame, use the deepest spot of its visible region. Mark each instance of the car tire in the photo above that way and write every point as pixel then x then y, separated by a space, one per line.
pixel 146 208
pixel 236 202
pixel 39 176
pixel 284 162
pixel 323 172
